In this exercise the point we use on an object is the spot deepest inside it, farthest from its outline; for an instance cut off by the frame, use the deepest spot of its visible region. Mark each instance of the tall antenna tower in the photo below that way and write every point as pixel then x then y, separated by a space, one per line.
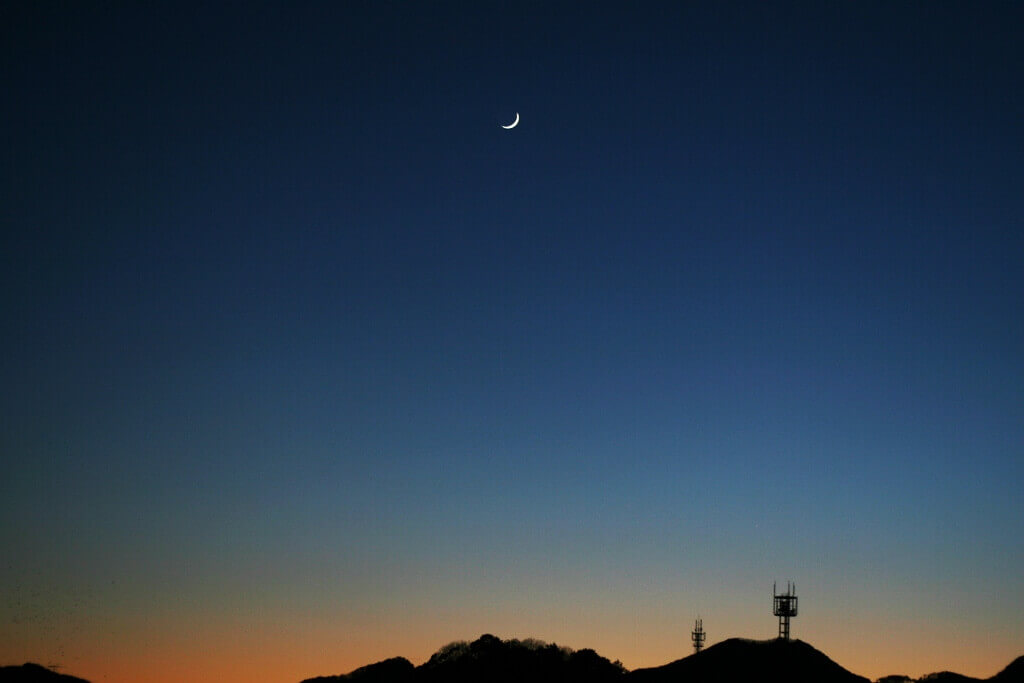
pixel 698 635
pixel 785 607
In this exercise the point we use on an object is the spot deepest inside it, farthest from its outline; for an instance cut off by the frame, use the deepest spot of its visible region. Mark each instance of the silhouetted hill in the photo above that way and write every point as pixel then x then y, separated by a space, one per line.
pixel 739 660
pixel 947 677
pixel 1013 673
pixel 33 673
pixel 493 660
pixel 490 659
pixel 394 670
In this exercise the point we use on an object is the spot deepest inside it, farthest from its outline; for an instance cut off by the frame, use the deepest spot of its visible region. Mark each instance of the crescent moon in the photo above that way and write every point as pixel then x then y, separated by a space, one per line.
pixel 513 124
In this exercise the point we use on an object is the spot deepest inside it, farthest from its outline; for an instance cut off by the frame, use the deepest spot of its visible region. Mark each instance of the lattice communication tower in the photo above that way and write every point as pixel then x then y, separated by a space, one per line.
pixel 785 607
pixel 698 635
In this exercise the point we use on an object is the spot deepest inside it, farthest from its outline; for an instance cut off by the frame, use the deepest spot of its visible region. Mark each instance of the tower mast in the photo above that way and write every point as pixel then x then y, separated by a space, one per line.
pixel 784 607
pixel 698 635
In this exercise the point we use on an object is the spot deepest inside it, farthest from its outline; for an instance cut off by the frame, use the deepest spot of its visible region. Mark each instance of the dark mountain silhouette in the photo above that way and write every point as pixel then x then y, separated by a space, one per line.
pixel 1013 673
pixel 732 661
pixel 33 673
pixel 743 660
pixel 394 670
pixel 947 677
pixel 493 660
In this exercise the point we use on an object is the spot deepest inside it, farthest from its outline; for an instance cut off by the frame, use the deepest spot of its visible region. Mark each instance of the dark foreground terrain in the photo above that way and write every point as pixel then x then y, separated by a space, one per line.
pixel 738 659
pixel 33 673
pixel 732 661
pixel 492 660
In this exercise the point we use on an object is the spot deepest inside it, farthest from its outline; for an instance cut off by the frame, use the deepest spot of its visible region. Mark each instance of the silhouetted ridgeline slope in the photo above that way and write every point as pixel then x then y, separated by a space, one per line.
pixel 732 661
pixel 1013 673
pixel 742 661
pixel 492 660
pixel 394 670
pixel 33 673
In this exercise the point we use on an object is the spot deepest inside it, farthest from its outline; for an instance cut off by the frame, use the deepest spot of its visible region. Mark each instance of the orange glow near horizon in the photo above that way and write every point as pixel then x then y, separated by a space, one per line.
pixel 276 649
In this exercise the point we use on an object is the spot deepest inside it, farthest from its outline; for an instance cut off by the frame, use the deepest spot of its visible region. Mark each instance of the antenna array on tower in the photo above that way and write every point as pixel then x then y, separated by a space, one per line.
pixel 784 607
pixel 698 635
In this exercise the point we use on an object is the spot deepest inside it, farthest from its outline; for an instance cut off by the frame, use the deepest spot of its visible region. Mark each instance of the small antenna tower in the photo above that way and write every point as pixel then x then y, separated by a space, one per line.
pixel 698 635
pixel 785 607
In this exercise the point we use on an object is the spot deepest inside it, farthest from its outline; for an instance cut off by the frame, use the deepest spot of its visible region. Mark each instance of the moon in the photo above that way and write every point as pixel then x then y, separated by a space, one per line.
pixel 513 124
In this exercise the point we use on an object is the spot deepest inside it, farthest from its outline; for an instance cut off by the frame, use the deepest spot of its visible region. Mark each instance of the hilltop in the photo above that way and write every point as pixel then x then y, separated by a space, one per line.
pixel 494 660
pixel 738 659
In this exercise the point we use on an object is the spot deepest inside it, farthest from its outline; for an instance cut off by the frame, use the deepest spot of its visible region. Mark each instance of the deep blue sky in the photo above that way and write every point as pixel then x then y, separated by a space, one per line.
pixel 739 299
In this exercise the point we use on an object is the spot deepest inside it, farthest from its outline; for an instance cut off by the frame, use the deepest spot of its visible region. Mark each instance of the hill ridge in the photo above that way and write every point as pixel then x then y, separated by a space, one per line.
pixel 735 659
pixel 35 673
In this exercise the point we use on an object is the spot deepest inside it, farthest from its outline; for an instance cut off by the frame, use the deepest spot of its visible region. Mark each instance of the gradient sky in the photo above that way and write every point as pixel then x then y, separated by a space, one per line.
pixel 308 363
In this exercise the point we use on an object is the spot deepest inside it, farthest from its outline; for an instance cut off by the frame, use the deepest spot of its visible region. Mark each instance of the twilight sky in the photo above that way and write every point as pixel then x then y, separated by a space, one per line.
pixel 308 363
